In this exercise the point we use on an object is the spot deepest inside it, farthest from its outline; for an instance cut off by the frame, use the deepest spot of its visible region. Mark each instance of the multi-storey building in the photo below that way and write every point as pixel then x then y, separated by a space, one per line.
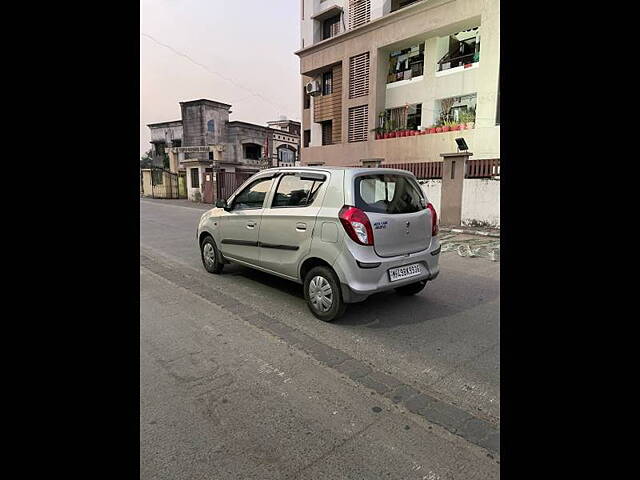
pixel 398 65
pixel 244 147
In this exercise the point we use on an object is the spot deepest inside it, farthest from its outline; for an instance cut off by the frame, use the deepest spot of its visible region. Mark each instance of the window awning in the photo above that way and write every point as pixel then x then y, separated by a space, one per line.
pixel 327 13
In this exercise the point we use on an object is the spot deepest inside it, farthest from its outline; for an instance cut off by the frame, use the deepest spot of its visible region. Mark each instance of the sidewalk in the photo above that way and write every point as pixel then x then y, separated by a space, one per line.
pixel 485 232
pixel 470 243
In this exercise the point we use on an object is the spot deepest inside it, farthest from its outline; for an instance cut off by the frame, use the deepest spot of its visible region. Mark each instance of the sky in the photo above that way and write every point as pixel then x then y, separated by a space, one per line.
pixel 239 52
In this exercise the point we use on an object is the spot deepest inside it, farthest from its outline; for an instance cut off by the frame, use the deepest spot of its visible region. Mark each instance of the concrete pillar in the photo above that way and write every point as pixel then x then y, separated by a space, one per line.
pixel 173 159
pixel 453 170
pixel 371 162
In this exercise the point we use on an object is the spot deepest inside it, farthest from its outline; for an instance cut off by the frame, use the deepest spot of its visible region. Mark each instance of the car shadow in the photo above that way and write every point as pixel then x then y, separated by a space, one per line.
pixel 282 284
pixel 386 309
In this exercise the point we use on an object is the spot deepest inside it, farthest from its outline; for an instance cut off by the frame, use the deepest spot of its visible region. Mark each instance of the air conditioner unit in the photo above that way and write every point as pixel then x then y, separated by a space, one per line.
pixel 312 88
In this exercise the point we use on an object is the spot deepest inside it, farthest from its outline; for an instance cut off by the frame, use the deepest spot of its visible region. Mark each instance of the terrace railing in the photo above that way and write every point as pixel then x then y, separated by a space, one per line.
pixel 483 168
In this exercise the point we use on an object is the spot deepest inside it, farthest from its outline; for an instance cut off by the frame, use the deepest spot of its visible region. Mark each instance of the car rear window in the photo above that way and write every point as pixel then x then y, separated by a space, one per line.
pixel 388 193
pixel 297 190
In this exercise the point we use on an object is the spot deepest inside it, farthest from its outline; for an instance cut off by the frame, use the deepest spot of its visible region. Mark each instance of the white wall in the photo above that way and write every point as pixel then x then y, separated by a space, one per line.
pixel 432 189
pixel 194 194
pixel 481 202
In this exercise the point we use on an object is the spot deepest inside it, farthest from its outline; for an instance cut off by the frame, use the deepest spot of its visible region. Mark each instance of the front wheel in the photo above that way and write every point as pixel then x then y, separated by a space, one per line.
pixel 412 288
pixel 323 295
pixel 210 256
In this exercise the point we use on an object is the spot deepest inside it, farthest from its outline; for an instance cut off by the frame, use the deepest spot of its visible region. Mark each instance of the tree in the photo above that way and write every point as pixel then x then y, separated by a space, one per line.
pixel 146 161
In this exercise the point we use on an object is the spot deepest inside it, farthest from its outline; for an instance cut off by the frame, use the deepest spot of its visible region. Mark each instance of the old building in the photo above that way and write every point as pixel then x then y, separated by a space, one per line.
pixel 164 135
pixel 286 142
pixel 206 145
pixel 376 69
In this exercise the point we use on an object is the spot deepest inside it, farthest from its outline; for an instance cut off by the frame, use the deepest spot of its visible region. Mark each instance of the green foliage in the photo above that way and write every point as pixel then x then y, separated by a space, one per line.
pixel 146 161
pixel 468 116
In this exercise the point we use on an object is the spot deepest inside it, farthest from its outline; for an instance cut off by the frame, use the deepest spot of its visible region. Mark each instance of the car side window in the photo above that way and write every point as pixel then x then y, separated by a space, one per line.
pixel 296 191
pixel 253 195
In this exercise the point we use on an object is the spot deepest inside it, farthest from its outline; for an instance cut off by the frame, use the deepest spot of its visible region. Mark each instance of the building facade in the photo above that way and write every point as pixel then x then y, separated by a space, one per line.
pixel 286 142
pixel 204 141
pixel 371 67
pixel 164 135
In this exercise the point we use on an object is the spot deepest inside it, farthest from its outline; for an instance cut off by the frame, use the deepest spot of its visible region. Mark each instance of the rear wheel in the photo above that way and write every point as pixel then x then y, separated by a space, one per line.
pixel 323 295
pixel 210 256
pixel 412 288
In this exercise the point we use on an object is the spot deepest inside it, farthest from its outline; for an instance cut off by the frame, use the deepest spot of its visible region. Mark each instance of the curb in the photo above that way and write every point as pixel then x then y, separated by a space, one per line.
pixel 470 232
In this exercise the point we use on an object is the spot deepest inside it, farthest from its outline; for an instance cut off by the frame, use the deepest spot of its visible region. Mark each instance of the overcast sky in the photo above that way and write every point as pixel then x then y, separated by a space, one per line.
pixel 246 47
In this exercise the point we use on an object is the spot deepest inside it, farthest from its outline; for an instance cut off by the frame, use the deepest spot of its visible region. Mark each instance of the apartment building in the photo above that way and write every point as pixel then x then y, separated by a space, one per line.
pixel 371 67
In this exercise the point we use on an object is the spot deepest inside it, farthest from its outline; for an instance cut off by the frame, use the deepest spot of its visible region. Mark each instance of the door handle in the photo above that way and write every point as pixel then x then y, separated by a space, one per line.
pixel 251 224
pixel 301 226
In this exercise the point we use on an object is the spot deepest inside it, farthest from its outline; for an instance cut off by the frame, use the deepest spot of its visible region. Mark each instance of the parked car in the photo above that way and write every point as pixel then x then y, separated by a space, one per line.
pixel 344 233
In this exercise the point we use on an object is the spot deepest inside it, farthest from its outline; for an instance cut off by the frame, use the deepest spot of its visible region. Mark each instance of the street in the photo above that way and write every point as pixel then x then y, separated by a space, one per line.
pixel 239 380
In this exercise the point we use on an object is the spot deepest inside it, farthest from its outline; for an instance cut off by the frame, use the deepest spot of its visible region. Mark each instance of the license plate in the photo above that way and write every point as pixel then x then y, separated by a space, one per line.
pixel 404 272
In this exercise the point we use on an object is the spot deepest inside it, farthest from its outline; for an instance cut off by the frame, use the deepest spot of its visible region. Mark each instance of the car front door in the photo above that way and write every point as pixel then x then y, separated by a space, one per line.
pixel 241 223
pixel 287 223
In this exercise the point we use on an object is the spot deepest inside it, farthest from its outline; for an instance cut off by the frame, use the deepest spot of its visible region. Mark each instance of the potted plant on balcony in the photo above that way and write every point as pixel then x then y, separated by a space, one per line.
pixel 471 120
pixel 379 131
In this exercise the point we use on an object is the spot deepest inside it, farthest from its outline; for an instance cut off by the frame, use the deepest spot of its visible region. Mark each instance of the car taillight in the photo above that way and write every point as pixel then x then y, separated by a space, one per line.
pixel 434 220
pixel 356 224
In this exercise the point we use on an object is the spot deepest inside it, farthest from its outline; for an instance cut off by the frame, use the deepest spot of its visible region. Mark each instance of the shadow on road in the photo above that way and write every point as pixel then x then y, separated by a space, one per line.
pixel 386 309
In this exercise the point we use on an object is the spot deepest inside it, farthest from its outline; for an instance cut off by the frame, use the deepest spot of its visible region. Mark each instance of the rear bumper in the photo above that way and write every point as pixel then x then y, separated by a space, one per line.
pixel 363 273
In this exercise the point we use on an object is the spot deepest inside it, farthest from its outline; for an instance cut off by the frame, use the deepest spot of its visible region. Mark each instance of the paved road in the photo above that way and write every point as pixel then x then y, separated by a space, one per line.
pixel 237 375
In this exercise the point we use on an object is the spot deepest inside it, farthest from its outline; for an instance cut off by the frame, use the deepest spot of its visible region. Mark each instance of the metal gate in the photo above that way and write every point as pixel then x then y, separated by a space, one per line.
pixel 164 184
pixel 228 182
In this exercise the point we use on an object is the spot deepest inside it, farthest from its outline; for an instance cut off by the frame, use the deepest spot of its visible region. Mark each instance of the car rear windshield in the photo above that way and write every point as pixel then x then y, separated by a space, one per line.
pixel 388 193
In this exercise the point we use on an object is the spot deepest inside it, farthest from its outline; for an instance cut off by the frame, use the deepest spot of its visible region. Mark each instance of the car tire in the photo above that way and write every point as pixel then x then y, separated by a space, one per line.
pixel 210 255
pixel 412 288
pixel 321 285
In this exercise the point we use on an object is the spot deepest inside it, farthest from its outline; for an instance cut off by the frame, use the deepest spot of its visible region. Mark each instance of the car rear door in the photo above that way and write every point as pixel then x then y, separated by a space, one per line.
pixel 397 209
pixel 288 222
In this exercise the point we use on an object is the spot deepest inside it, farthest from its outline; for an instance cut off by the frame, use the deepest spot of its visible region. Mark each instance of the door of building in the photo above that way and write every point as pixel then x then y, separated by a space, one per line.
pixel 208 186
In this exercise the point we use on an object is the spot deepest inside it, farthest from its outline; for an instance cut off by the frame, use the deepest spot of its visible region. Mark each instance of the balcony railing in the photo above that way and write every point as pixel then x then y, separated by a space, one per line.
pixel 451 62
pixel 421 170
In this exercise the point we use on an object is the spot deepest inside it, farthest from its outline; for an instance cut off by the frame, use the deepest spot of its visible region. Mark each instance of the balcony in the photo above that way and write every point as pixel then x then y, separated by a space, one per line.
pixel 329 19
pixel 406 65
pixel 414 148
pixel 447 65
pixel 461 51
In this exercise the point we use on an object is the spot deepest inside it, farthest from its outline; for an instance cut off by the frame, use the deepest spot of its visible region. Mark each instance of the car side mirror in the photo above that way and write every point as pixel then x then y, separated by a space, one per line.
pixel 222 204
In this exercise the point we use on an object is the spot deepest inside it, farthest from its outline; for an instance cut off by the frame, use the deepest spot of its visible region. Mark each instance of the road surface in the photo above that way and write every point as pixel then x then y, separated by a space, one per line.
pixel 239 380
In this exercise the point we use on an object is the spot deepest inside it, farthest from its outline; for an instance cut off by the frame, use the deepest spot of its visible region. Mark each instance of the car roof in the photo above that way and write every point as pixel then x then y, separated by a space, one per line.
pixel 348 170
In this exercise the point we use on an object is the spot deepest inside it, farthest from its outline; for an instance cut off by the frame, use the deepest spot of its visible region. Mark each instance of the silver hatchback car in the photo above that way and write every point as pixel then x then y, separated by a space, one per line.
pixel 344 233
